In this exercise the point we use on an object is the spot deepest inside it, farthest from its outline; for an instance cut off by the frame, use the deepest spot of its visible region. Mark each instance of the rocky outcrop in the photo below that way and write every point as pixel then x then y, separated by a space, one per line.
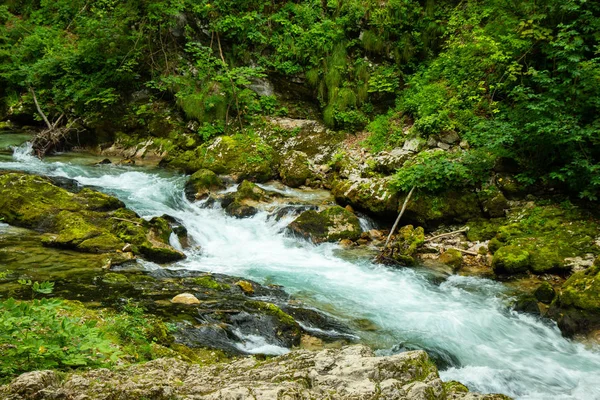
pixel 349 373
pixel 331 225
pixel 87 221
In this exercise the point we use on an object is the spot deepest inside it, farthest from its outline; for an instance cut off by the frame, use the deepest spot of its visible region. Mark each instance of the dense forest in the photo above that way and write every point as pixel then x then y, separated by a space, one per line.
pixel 519 81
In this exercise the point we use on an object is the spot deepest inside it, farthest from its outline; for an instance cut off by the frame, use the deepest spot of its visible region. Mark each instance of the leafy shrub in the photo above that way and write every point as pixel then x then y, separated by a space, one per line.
pixel 38 335
pixel 439 170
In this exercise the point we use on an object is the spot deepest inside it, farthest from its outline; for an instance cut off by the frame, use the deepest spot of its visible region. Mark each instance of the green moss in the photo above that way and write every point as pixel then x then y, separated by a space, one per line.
pixel 273 310
pixel 426 208
pixel 330 225
pixel 483 229
pixel 249 191
pixel 544 293
pixel 511 260
pixel 494 245
pixel 102 243
pixel 160 254
pixel 582 290
pixel 294 168
pixel 455 387
pixel 407 241
pixel 96 201
pixel 111 278
pixel 201 183
pixel 452 257
pixel 208 282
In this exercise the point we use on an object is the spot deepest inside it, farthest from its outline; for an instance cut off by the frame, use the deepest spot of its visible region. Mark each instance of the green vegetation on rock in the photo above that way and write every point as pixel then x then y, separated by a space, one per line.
pixel 330 225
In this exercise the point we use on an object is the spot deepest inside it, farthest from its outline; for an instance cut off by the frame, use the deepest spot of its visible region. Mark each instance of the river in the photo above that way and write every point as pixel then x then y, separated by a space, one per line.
pixel 490 348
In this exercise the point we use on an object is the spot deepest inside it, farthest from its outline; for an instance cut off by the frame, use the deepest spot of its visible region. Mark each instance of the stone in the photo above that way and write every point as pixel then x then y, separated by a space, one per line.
pixel 201 184
pixel 352 372
pixel 185 298
pixel 246 287
pixel 453 258
pixel 406 242
pixel 295 169
pixel 330 225
pixel 511 260
pixel 413 145
pixel 30 384
pixel 449 137
pixel 544 293
pixel 443 146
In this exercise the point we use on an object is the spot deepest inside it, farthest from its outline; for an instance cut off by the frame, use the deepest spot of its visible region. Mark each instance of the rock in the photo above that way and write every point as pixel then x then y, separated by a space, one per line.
pixel 413 145
pixel 105 161
pixel 443 146
pixel 242 203
pixel 449 137
pixel 294 168
pixel 453 258
pixel 405 245
pixel 373 195
pixel 577 306
pixel 509 185
pixel 544 293
pixel 448 207
pixel 246 287
pixel 330 225
pixel 242 157
pixel 249 191
pixel 578 263
pixel 511 260
pixel 201 184
pixel 30 384
pixel 352 372
pixel 87 221
pixel 493 202
pixel 185 298
pixel 526 303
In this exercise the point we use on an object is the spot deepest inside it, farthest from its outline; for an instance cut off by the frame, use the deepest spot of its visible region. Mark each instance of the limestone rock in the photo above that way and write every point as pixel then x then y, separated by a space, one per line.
pixel 453 258
pixel 511 260
pixel 185 298
pixel 201 184
pixel 352 372
pixel 295 168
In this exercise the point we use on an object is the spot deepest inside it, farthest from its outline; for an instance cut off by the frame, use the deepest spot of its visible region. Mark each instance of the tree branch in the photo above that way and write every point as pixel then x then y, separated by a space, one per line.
pixel 39 110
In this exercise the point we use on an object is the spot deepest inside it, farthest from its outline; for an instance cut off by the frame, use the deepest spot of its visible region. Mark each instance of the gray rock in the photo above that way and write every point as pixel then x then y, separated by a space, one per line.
pixel 443 146
pixel 349 373
pixel 450 137
pixel 413 144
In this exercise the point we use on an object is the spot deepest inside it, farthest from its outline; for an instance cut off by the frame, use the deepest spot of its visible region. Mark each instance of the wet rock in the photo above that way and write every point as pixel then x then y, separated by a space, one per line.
pixel 87 221
pixel 105 161
pixel 544 293
pixel 238 210
pixel 526 303
pixel 330 225
pixel 185 298
pixel 510 260
pixel 242 203
pixel 292 210
pixel 294 169
pixel 336 374
pixel 373 195
pixel 201 184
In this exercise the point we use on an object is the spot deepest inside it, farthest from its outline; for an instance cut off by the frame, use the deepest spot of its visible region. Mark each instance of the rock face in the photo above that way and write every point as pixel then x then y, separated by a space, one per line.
pixel 348 373
pixel 333 224
pixel 87 221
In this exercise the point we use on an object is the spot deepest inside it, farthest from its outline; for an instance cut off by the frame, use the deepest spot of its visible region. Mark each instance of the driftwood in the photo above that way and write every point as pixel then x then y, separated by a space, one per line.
pixel 471 253
pixel 446 234
pixel 54 136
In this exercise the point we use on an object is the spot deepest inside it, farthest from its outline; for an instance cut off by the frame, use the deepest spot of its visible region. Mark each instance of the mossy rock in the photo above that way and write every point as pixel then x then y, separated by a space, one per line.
pixel 241 156
pixel 493 202
pixel 294 169
pixel 331 225
pixel 483 229
pixel 209 282
pixel 510 260
pixel 494 245
pixel 250 191
pixel 452 387
pixel 453 258
pixel 544 293
pixel 202 183
pixel 405 245
pixel 449 207
pixel 374 195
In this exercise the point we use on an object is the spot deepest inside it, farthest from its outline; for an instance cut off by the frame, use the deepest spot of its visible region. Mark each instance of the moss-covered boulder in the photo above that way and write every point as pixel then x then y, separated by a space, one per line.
pixel 577 306
pixel 493 202
pixel 87 221
pixel 201 184
pixel 331 225
pixel 510 260
pixel 405 245
pixel 429 209
pixel 453 258
pixel 294 169
pixel 241 156
pixel 372 195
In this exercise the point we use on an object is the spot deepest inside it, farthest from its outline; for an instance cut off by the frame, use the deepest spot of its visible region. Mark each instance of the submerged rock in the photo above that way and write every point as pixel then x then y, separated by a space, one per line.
pixel 331 225
pixel 349 373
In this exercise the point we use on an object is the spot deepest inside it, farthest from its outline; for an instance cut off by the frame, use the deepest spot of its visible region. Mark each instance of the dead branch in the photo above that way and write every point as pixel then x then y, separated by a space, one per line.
pixel 398 219
pixel 463 230
pixel 39 110
pixel 471 253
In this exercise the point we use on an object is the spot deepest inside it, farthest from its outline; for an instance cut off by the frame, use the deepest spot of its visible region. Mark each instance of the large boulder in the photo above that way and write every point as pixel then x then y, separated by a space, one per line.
pixel 577 307
pixel 243 203
pixel 87 221
pixel 294 169
pixel 241 156
pixel 331 225
pixel 510 260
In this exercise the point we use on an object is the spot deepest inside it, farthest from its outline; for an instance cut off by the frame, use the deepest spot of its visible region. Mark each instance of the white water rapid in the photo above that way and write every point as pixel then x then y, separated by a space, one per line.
pixel 493 349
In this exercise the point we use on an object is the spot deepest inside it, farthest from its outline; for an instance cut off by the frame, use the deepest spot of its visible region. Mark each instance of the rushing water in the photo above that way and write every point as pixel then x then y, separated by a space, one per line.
pixel 492 349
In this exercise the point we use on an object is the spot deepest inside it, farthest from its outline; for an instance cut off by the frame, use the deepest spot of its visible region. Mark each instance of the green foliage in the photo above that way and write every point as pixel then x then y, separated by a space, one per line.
pixel 439 170
pixel 36 335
